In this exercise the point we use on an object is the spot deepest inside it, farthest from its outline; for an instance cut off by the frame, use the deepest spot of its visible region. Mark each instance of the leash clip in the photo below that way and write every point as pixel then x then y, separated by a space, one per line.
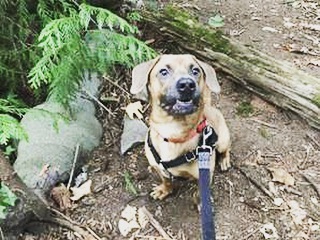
pixel 206 134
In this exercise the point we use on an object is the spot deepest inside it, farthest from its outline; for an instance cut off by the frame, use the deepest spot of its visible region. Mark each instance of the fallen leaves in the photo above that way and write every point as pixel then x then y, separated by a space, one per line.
pixel 134 109
pixel 297 213
pixel 282 176
pixel 132 218
pixel 269 231
pixel 81 191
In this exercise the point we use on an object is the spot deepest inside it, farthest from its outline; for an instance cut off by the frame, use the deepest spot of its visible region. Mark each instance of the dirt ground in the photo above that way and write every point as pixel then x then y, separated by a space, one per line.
pixel 265 140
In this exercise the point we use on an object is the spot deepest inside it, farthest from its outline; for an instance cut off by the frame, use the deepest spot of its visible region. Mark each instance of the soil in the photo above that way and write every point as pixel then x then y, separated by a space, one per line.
pixel 265 139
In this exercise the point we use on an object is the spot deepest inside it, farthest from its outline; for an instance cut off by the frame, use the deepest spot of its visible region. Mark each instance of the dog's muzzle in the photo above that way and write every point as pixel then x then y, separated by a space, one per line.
pixel 182 98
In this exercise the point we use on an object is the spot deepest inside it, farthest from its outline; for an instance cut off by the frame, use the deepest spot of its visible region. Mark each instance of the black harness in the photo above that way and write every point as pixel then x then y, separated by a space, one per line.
pixel 188 157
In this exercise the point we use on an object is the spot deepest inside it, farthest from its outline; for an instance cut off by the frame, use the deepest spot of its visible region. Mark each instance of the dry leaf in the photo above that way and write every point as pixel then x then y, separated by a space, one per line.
pixel 83 190
pixel 134 109
pixel 61 196
pixel 278 201
pixel 132 218
pixel 297 213
pixel 129 213
pixel 269 29
pixel 282 176
pixel 269 231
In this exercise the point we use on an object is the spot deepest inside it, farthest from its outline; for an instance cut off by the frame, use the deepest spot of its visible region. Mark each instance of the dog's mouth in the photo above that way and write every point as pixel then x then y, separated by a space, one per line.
pixel 180 106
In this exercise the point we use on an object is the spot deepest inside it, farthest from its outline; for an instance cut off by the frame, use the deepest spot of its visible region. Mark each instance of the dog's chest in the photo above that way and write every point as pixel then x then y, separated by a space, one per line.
pixel 169 151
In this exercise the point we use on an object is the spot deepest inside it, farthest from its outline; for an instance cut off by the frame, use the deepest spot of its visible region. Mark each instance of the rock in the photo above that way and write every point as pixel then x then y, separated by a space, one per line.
pixel 52 138
pixel 134 132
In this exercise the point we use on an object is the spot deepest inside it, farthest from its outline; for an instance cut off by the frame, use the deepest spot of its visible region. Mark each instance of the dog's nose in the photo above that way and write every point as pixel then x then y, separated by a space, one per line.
pixel 186 86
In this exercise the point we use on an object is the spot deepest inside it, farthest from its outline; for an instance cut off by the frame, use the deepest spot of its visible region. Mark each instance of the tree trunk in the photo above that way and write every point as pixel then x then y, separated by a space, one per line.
pixel 274 80
pixel 28 206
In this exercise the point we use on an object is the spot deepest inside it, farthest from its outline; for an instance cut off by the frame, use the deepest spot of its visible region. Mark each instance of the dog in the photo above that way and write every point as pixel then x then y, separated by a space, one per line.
pixel 179 88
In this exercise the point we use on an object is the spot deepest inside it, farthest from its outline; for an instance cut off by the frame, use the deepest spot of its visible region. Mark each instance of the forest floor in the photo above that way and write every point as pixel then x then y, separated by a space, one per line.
pixel 270 147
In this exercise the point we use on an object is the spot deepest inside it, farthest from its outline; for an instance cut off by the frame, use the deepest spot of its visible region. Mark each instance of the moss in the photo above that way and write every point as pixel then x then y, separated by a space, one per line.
pixel 245 109
pixel 185 23
pixel 316 100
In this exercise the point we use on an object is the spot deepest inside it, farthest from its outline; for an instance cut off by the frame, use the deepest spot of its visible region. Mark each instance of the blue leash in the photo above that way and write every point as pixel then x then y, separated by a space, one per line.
pixel 207 219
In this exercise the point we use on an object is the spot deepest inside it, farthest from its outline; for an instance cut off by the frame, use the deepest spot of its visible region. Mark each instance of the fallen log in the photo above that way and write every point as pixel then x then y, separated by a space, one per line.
pixel 272 79
pixel 28 206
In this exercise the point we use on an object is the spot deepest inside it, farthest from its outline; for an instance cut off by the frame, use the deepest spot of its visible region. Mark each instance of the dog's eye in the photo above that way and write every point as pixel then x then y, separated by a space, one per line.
pixel 164 72
pixel 195 71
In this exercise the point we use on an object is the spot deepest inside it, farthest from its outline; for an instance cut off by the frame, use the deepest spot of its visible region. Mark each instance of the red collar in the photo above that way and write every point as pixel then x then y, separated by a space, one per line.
pixel 192 133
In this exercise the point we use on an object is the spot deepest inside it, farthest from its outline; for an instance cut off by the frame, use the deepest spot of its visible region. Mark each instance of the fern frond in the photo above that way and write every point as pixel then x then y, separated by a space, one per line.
pixel 104 18
pixel 10 128
pixel 12 107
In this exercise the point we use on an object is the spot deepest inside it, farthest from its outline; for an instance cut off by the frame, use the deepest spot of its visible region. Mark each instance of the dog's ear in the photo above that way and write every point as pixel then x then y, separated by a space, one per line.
pixel 140 76
pixel 210 77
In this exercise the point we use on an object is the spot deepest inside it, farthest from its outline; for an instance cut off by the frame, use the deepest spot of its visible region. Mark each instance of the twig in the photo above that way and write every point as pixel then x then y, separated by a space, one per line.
pixel 1 234
pixel 149 237
pixel 313 140
pixel 65 221
pixel 264 123
pixel 258 185
pixel 73 165
pixel 156 224
pixel 315 186
pixel 116 84
pixel 250 234
pixel 97 101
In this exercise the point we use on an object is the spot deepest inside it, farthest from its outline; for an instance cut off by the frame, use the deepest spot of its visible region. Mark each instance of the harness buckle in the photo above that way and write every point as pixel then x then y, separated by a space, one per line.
pixel 190 157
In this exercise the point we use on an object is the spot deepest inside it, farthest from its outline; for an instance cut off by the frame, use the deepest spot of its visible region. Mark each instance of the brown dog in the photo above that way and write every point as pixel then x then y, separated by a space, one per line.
pixel 179 87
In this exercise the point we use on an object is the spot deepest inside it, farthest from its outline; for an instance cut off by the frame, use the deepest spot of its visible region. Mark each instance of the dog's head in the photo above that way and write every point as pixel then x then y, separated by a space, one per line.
pixel 175 83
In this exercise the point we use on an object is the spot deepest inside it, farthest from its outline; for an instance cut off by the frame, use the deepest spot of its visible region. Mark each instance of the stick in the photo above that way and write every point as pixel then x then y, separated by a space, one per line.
pixel 156 224
pixel 73 165
pixel 1 234
pixel 117 85
pixel 264 123
pixel 250 234
pixel 315 186
pixel 67 222
pixel 313 140
pixel 97 101
pixel 258 185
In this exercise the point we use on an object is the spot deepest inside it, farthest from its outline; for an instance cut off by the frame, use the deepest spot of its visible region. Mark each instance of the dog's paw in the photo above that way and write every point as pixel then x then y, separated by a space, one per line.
pixel 160 191
pixel 225 163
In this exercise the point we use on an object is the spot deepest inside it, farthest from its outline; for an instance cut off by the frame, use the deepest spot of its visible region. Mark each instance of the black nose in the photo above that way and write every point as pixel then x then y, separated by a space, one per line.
pixel 186 86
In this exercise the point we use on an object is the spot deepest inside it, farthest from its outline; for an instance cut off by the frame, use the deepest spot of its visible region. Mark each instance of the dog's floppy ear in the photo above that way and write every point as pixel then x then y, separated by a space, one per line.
pixel 210 77
pixel 140 76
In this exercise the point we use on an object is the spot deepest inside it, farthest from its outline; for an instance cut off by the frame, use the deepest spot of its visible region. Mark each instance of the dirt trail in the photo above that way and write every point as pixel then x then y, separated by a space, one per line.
pixel 264 138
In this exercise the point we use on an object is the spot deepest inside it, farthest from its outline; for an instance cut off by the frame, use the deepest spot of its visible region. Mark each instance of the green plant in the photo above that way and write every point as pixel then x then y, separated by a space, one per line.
pixel 74 38
pixel 7 199
pixel 89 38
pixel 245 109
pixel 130 187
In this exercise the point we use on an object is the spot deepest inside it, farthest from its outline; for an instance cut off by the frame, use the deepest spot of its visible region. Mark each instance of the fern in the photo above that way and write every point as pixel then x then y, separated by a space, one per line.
pixel 68 49
pixel 10 128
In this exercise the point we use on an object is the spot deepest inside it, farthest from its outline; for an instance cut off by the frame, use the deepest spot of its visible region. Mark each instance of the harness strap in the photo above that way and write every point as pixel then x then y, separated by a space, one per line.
pixel 185 158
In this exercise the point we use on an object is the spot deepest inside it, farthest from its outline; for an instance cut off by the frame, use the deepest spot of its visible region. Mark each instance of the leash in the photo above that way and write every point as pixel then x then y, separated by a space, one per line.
pixel 205 148
pixel 204 152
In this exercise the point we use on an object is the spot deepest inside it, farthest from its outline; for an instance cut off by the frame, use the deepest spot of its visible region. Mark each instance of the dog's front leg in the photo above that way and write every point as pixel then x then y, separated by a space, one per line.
pixel 162 190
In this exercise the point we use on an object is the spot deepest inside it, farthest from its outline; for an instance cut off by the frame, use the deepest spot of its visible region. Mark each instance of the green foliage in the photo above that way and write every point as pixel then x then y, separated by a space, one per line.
pixel 7 199
pixel 245 109
pixel 74 38
pixel 130 187
pixel 90 39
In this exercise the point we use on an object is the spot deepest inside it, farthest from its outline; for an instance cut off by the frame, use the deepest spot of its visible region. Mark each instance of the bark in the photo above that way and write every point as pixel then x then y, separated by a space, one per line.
pixel 28 206
pixel 274 80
